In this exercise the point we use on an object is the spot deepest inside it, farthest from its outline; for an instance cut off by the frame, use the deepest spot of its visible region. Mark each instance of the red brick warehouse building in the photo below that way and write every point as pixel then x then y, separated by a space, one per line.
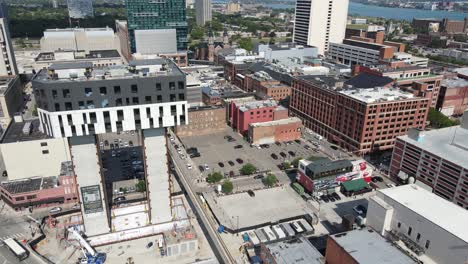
pixel 242 113
pixel 360 120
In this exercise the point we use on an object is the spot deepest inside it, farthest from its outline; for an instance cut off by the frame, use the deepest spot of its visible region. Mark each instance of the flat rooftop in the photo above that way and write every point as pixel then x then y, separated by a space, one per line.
pixel 257 105
pixel 367 80
pixel 450 143
pixel 295 251
pixel 284 121
pixel 136 68
pixel 16 133
pixel 368 247
pixel 6 82
pixel 455 83
pixel 324 81
pixel 377 94
pixel 448 215
pixel 30 184
pixel 268 206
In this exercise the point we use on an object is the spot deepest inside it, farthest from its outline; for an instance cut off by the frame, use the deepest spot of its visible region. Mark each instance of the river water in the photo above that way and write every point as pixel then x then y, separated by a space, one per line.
pixel 386 12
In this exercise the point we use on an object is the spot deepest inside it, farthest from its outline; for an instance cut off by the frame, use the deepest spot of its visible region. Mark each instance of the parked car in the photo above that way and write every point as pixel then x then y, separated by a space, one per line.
pixel 377 179
pixel 189 166
pixel 221 164
pixel 274 156
pixel 265 146
pixel 231 163
pixel 195 155
pixel 55 210
pixel 292 153
pixel 5 173
pixel 206 167
pixel 130 143
pixel 239 160
pixel 201 168
pixel 238 146
pixel 336 196
pixel 324 198
pixel 282 154
pixel 119 199
pixel 307 147
pixel 331 198
pixel 360 209
pixel 390 185
pixel 259 177
pixel 231 174
pixel 297 141
pixel 150 244
pixel 278 143
pixel 251 193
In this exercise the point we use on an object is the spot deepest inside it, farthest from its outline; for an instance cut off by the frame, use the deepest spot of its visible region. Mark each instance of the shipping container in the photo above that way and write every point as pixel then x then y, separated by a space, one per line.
pixel 270 234
pixel 278 231
pixel 288 230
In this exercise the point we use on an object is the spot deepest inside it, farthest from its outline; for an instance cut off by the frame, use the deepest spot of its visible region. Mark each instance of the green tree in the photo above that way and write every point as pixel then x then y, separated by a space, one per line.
pixel 272 34
pixel 227 186
pixel 270 180
pixel 246 43
pixel 286 165
pixel 197 32
pixel 439 120
pixel 140 186
pixel 214 177
pixel 248 169
pixel 295 162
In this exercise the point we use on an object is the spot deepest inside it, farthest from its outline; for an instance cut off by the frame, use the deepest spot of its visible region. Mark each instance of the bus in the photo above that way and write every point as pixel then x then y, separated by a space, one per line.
pixel 19 250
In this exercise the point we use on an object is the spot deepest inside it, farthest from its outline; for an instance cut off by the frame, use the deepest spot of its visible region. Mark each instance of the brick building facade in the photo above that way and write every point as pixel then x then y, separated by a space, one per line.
pixel 453 97
pixel 414 79
pixel 436 158
pixel 360 120
pixel 275 131
pixel 41 191
pixel 242 113
pixel 203 120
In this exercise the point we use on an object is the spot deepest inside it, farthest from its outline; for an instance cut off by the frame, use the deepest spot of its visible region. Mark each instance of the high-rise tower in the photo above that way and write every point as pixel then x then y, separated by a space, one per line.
pixel 150 14
pixel 320 22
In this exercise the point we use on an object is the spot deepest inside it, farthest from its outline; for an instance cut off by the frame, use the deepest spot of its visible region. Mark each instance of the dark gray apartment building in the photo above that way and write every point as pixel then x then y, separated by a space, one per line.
pixel 76 99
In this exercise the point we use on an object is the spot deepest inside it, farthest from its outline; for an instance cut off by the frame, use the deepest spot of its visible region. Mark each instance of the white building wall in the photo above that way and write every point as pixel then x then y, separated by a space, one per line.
pixel 79 39
pixel 26 159
pixel 157 175
pixel 327 22
pixel 50 120
pixel 444 247
pixel 203 11
pixel 155 41
pixel 348 54
pixel 7 56
pixel 88 175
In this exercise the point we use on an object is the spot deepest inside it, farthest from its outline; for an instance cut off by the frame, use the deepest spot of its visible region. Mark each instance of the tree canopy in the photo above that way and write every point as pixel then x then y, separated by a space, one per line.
pixel 246 43
pixel 140 186
pixel 270 180
pixel 248 169
pixel 227 186
pixel 439 120
pixel 214 177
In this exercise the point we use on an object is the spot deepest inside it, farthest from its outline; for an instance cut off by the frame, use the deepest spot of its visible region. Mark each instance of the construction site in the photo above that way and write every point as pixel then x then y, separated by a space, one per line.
pixel 180 240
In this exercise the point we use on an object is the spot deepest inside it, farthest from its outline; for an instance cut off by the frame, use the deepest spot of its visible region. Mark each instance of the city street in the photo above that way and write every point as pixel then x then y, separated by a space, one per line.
pixel 17 225
pixel 187 178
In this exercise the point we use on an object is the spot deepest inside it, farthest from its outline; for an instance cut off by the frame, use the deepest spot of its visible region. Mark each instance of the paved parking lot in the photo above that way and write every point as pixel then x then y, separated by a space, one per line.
pixel 214 148
pixel 121 157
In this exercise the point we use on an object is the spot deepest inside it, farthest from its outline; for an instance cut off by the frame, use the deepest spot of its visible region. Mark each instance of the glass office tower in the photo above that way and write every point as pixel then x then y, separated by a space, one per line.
pixel 157 14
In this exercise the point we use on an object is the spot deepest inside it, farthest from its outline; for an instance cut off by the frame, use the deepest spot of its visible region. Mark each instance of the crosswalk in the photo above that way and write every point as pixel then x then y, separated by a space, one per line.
pixel 17 236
